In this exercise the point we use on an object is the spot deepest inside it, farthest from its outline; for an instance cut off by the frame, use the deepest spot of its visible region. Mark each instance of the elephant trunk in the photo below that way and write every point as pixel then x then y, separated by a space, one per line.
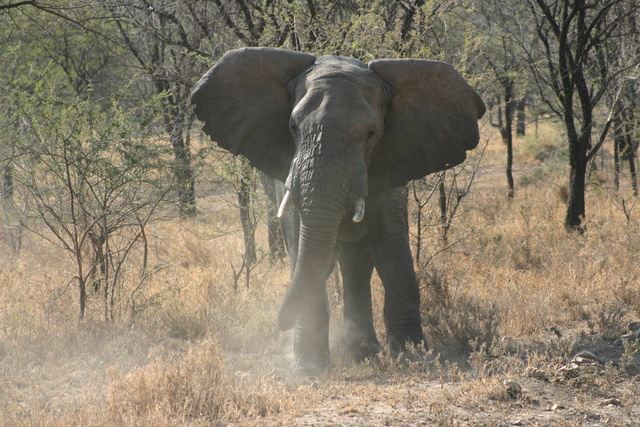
pixel 323 187
pixel 314 261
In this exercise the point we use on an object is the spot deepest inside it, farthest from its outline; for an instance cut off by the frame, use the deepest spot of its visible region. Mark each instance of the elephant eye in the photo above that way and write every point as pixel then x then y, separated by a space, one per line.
pixel 294 128
pixel 371 134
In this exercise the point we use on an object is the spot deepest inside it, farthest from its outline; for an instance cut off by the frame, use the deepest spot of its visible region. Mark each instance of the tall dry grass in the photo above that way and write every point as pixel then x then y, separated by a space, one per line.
pixel 194 351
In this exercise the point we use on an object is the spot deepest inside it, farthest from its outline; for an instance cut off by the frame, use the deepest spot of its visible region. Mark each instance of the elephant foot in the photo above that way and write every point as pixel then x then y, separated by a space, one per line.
pixel 310 368
pixel 407 340
pixel 415 354
pixel 411 351
pixel 363 349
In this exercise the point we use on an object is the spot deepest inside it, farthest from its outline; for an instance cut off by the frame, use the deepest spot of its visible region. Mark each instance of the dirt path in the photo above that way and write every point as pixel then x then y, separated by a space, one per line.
pixel 470 403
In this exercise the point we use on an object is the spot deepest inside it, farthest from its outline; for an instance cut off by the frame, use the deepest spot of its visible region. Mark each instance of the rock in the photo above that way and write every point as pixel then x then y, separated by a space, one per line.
pixel 569 368
pixel 570 371
pixel 556 406
pixel 585 354
pixel 533 372
pixel 611 402
pixel 585 357
pixel 513 388
pixel 630 337
pixel 582 361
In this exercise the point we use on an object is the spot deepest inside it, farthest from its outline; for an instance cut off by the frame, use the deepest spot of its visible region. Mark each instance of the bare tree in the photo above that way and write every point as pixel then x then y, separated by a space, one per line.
pixel 496 24
pixel 169 46
pixel 569 60
pixel 438 200
pixel 89 183
pixel 626 132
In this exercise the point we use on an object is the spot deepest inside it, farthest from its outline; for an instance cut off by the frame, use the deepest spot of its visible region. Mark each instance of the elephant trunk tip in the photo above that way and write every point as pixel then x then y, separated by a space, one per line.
pixel 286 316
pixel 292 305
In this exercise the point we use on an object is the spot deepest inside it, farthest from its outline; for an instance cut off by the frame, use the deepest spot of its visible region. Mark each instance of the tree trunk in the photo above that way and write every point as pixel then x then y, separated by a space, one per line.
pixel 184 175
pixel 616 158
pixel 175 122
pixel 7 184
pixel 275 233
pixel 501 127
pixel 419 208
pixel 245 192
pixel 410 12
pixel 508 134
pixel 83 297
pixel 276 239
pixel 632 171
pixel 521 116
pixel 442 199
pixel 577 184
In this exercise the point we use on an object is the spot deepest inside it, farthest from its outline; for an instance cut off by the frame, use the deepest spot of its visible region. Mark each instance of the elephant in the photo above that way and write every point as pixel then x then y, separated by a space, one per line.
pixel 337 141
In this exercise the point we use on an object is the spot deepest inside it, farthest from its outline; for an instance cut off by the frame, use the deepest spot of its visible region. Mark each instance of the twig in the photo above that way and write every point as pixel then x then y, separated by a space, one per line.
pixel 20 3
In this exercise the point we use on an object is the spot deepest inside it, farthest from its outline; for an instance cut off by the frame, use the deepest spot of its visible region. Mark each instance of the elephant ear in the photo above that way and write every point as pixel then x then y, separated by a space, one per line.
pixel 245 105
pixel 431 121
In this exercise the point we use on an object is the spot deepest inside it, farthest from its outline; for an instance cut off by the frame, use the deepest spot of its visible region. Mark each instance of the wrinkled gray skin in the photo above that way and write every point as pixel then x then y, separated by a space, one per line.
pixel 330 131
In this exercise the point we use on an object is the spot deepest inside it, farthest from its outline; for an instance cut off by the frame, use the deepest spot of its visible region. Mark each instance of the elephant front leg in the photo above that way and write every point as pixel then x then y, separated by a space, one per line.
pixel 311 337
pixel 356 267
pixel 389 244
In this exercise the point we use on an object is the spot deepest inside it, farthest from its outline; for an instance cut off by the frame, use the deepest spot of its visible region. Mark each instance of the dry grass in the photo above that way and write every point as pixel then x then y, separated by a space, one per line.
pixel 199 353
pixel 193 388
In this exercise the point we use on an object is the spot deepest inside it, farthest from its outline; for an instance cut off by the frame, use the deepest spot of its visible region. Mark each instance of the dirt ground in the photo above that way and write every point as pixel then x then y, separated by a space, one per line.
pixel 423 402
pixel 596 386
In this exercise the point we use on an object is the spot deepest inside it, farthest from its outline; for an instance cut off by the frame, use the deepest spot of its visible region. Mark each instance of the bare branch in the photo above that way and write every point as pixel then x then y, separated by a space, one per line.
pixel 20 3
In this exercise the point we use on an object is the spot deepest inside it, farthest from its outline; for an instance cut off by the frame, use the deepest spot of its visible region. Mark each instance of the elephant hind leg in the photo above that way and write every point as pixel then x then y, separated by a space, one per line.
pixel 356 267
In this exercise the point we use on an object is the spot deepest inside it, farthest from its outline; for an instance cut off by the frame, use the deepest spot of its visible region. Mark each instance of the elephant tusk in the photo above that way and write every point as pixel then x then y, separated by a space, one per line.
pixel 283 205
pixel 359 209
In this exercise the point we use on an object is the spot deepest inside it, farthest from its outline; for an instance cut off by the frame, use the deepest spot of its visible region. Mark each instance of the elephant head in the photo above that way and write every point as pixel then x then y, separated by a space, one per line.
pixel 335 130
